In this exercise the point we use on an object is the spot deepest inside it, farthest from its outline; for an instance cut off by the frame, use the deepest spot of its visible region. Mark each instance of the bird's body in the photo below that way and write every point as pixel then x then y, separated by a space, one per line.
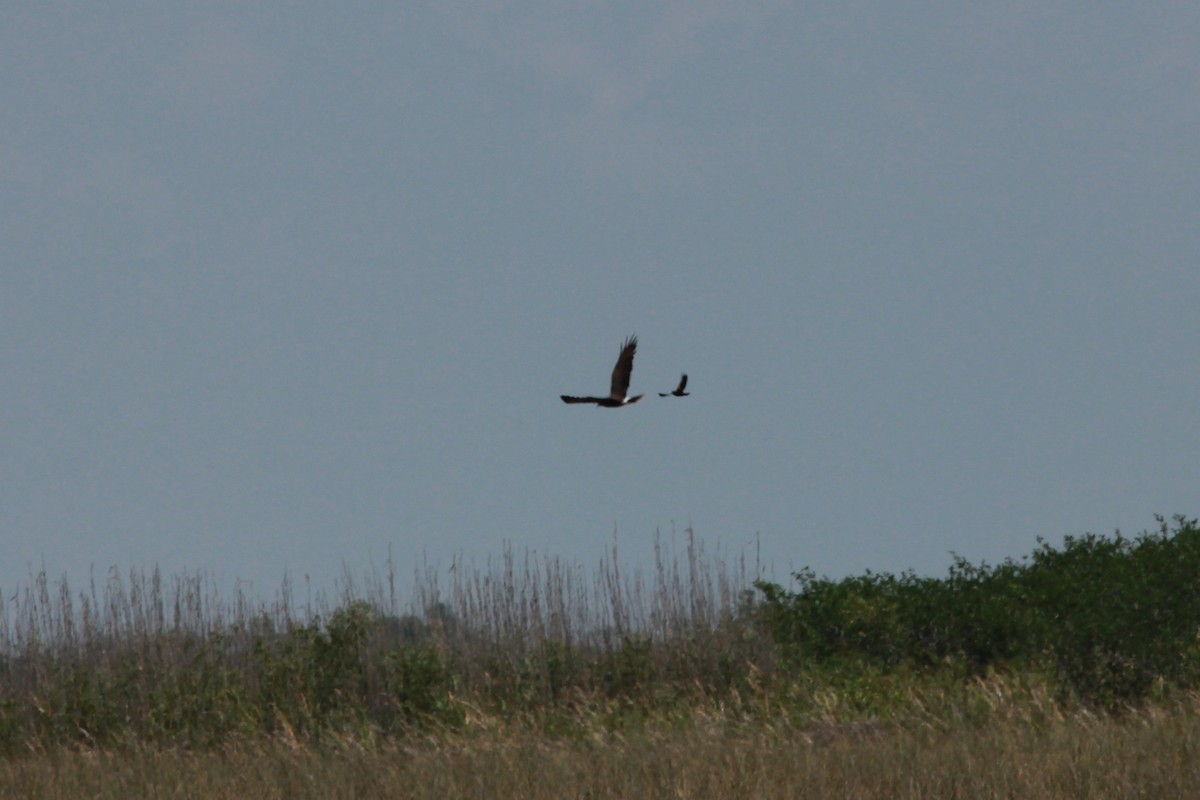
pixel 679 390
pixel 619 390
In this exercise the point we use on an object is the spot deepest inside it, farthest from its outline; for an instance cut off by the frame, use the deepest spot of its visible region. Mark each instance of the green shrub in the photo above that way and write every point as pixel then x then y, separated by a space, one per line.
pixel 1111 616
pixel 628 670
pixel 418 683
pixel 1117 615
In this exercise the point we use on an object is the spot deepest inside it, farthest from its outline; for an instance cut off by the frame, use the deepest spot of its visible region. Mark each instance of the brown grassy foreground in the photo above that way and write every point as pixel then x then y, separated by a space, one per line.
pixel 1146 755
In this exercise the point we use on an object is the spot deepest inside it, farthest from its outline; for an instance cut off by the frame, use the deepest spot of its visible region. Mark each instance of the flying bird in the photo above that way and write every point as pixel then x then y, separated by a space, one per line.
pixel 618 395
pixel 679 390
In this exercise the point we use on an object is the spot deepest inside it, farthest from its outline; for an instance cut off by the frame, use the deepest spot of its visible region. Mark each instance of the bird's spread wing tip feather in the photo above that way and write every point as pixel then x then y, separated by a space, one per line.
pixel 623 370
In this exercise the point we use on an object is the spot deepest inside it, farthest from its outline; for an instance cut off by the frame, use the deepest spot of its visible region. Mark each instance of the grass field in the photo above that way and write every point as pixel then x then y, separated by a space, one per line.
pixel 1072 672
pixel 1153 755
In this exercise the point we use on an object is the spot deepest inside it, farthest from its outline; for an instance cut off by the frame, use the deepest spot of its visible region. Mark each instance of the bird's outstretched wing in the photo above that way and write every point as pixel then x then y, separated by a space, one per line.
pixel 623 370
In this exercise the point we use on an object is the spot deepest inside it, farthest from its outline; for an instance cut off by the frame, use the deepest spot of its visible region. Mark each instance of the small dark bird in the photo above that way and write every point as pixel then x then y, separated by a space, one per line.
pixel 618 396
pixel 679 390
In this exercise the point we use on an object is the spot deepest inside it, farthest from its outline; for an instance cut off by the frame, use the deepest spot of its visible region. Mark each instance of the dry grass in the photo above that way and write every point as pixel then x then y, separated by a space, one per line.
pixel 169 662
pixel 1153 754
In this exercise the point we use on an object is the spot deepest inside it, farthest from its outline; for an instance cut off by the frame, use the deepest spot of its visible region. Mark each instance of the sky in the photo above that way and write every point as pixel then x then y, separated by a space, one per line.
pixel 294 288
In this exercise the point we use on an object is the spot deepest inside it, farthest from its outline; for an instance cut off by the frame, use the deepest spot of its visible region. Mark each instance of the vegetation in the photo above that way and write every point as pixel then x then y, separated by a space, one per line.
pixel 1151 756
pixel 695 679
pixel 1111 618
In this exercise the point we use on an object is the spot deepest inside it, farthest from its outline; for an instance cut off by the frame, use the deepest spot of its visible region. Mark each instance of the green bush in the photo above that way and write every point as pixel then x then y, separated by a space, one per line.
pixel 418 683
pixel 1110 616
pixel 1118 615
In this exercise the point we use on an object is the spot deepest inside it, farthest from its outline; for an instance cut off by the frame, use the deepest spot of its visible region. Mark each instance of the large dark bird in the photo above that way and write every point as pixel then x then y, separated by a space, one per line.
pixel 679 390
pixel 620 381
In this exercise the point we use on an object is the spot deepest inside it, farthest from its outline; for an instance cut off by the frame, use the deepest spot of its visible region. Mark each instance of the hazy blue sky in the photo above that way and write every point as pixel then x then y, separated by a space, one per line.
pixel 285 285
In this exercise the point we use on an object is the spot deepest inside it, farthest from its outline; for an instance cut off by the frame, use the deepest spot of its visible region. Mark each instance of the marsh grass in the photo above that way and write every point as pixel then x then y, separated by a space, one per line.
pixel 1082 756
pixel 141 658
pixel 530 677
